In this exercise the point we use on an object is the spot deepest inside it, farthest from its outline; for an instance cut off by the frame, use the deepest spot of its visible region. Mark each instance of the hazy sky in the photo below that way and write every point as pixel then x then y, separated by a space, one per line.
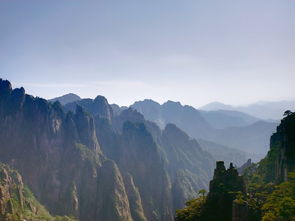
pixel 193 51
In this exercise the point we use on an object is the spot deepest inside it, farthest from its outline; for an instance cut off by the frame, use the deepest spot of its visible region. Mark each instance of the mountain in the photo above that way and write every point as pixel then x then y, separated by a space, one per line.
pixel 89 162
pixel 266 191
pixel 67 98
pixel 216 106
pixel 263 110
pixel 59 158
pixel 17 201
pixel 253 139
pixel 174 154
pixel 221 119
pixel 185 117
pixel 227 128
pixel 226 154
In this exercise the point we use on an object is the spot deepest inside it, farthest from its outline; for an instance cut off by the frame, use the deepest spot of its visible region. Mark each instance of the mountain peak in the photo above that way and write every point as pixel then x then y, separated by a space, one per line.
pixel 67 98
pixel 145 102
pixel 216 106
pixel 175 103
pixel 5 87
pixel 101 99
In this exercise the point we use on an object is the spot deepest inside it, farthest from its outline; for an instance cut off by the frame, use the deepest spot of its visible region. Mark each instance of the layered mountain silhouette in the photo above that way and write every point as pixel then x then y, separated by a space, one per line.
pixel 221 119
pixel 246 136
pixel 227 128
pixel 85 160
pixel 263 110
pixel 67 98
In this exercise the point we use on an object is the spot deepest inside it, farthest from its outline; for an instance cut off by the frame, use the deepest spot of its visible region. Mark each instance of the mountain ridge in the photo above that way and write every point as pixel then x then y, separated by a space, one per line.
pixel 196 124
pixel 267 110
pixel 96 165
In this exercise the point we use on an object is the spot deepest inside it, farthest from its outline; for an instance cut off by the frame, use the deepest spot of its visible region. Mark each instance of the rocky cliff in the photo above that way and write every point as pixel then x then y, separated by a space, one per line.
pixel 166 167
pixel 17 202
pixel 223 191
pixel 283 143
pixel 218 204
pixel 83 160
pixel 269 190
pixel 59 157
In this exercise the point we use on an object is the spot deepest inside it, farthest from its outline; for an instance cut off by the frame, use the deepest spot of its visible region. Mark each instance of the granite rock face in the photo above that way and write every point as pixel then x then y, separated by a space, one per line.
pixel 222 192
pixel 59 157
pixel 164 167
pixel 283 143
pixel 16 201
pixel 83 160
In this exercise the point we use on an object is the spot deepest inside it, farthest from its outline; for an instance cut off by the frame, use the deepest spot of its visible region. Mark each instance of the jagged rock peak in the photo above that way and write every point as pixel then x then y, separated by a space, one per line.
pixel 246 165
pixel 5 87
pixel 220 166
pixel 220 169
pixel 103 107
pixel 228 177
pixel 101 99
pixel 18 92
pixel 146 101
pixel 172 103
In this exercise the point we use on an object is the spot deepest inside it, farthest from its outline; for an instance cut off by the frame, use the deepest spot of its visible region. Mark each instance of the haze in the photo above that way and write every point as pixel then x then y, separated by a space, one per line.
pixel 193 51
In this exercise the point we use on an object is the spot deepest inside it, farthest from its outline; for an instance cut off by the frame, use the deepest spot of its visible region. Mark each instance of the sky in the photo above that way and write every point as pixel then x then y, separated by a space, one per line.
pixel 192 51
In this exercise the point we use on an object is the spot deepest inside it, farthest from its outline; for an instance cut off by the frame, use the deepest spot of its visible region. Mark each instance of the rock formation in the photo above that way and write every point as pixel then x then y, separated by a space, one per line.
pixel 283 143
pixel 17 202
pixel 83 160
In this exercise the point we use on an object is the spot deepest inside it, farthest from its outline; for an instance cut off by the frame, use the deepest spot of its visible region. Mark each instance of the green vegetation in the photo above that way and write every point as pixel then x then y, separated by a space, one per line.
pixel 269 193
pixel 280 204
pixel 192 211
pixel 87 154
pixel 17 202
pixel 264 201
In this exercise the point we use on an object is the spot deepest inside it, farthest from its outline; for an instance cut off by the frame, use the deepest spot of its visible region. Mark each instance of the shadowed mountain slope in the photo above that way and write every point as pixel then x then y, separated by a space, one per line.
pixel 96 165
pixel 180 164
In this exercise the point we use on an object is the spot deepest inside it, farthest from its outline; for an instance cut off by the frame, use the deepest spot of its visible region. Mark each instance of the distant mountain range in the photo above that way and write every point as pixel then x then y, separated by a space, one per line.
pixel 264 110
pixel 221 119
pixel 232 129
pixel 67 98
